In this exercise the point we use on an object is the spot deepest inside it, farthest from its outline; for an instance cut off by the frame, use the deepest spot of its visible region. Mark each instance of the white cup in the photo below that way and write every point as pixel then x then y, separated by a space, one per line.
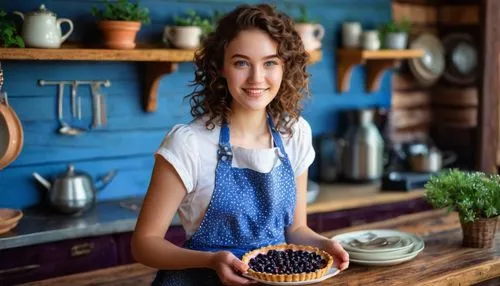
pixel 371 40
pixel 351 34
pixel 182 37
pixel 311 35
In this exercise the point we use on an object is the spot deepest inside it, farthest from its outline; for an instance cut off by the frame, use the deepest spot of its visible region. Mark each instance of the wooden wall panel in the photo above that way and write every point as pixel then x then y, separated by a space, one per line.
pixel 410 99
pixel 418 14
pixel 452 110
pixel 489 87
pixel 498 149
pixel 455 96
pixel 411 115
pixel 465 117
pixel 459 15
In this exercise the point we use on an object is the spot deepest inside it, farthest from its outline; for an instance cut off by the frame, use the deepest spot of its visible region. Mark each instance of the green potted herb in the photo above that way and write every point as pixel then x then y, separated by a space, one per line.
pixel 476 198
pixel 309 30
pixel 119 22
pixel 394 34
pixel 9 36
pixel 187 31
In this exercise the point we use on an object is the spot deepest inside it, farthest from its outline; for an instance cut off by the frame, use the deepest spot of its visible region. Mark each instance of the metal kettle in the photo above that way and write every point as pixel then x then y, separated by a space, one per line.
pixel 361 149
pixel 73 192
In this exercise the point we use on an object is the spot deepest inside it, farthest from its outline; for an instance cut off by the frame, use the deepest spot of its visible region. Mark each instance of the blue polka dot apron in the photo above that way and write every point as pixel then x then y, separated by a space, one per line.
pixel 248 210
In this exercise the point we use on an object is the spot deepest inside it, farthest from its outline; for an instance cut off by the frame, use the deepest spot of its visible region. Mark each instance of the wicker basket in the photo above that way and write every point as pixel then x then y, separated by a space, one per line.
pixel 479 234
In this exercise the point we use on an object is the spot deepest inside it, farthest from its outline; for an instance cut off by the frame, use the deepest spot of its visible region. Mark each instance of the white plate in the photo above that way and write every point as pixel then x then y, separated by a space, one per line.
pixel 429 68
pixel 333 271
pixel 418 246
pixel 383 262
pixel 406 243
pixel 461 58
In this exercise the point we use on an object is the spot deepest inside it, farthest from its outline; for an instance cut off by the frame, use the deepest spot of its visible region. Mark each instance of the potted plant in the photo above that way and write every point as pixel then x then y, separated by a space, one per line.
pixel 395 34
pixel 119 22
pixel 309 30
pixel 9 36
pixel 187 31
pixel 476 198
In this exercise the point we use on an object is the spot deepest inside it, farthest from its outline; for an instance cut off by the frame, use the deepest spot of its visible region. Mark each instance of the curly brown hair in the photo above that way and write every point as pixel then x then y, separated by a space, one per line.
pixel 211 95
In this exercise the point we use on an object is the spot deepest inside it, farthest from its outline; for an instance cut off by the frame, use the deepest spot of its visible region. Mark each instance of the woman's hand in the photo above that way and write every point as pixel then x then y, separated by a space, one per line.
pixel 229 267
pixel 340 256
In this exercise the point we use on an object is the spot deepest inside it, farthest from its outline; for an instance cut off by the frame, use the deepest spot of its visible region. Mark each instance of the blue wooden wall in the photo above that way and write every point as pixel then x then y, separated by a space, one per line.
pixel 132 135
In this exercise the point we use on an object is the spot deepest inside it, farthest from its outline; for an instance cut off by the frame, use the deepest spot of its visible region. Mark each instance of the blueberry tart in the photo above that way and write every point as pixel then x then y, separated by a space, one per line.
pixel 288 263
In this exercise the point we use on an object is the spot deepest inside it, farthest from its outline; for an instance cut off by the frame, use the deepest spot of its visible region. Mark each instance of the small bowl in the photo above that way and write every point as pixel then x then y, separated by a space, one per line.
pixel 9 218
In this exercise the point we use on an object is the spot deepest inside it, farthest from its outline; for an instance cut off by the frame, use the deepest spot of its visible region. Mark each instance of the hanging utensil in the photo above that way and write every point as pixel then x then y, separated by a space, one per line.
pixel 99 116
pixel 96 106
pixel 74 87
pixel 65 128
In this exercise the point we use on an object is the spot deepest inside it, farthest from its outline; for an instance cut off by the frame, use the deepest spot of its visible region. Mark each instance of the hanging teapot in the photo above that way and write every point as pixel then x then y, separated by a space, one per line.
pixel 73 192
pixel 41 28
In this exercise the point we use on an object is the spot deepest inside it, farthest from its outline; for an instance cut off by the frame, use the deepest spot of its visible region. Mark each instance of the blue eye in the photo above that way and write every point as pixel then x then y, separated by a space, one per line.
pixel 240 63
pixel 270 63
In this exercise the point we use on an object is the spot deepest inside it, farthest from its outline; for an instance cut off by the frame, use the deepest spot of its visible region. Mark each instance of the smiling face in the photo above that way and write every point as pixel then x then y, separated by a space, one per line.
pixel 253 70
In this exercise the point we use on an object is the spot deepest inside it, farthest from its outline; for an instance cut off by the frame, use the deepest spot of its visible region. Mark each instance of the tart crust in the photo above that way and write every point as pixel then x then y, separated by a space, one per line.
pixel 297 277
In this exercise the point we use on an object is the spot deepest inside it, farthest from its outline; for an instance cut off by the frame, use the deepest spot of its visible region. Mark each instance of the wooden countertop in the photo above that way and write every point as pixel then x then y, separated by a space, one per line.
pixel 334 197
pixel 443 261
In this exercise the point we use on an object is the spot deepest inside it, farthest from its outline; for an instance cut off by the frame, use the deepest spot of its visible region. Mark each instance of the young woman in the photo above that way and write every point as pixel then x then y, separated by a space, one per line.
pixel 237 174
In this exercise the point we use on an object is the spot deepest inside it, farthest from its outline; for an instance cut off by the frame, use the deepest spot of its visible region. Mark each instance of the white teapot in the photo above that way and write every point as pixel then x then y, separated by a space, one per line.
pixel 41 29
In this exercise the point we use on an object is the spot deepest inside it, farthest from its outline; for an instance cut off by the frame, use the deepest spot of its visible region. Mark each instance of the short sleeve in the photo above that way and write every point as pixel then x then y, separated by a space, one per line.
pixel 179 148
pixel 304 153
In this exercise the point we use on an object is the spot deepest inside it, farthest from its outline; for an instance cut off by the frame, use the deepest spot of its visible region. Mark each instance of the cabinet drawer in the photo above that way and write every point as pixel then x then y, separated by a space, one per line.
pixel 175 234
pixel 31 263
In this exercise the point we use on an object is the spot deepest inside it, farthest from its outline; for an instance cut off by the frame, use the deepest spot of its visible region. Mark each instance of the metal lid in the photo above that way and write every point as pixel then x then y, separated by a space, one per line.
pixel 41 11
pixel 71 173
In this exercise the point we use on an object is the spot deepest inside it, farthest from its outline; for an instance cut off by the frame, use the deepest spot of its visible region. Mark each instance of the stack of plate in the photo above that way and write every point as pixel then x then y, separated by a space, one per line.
pixel 380 247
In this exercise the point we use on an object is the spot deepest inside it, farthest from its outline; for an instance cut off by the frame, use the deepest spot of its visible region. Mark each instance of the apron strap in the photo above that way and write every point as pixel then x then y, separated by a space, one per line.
pixel 225 152
pixel 277 138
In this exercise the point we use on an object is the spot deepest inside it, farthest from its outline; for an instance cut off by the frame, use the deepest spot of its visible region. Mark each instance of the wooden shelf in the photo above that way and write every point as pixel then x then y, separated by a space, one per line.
pixel 376 63
pixel 76 53
pixel 159 61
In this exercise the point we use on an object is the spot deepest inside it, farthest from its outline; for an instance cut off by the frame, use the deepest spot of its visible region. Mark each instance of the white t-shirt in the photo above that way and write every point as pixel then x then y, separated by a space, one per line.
pixel 192 151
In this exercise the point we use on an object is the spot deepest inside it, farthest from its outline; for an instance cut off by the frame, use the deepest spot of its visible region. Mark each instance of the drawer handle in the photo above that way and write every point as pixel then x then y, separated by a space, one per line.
pixel 82 249
pixel 19 269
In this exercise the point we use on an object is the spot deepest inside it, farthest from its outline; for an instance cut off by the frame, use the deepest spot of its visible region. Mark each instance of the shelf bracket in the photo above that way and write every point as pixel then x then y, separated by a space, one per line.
pixel 154 72
pixel 375 69
pixel 344 72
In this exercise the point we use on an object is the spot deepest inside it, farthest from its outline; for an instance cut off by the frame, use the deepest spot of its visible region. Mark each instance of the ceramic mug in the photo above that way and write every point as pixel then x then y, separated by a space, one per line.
pixel 311 35
pixel 371 40
pixel 182 37
pixel 351 34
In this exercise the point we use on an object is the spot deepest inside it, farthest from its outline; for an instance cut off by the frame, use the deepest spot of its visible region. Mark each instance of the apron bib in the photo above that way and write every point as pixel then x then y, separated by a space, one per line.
pixel 248 210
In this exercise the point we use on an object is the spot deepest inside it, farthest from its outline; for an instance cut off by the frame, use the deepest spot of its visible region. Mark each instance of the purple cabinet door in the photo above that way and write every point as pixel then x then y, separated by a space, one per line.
pixel 175 234
pixel 32 263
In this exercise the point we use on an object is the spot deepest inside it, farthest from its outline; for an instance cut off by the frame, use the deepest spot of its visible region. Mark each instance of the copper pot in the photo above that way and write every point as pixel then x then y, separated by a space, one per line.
pixel 11 136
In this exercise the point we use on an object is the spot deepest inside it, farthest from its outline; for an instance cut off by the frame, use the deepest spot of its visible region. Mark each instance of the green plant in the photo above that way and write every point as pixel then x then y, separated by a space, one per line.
pixel 472 194
pixel 303 16
pixel 122 10
pixel 393 26
pixel 193 19
pixel 8 32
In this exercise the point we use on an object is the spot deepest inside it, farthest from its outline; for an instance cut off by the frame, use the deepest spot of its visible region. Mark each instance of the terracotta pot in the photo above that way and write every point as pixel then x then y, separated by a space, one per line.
pixel 479 234
pixel 119 34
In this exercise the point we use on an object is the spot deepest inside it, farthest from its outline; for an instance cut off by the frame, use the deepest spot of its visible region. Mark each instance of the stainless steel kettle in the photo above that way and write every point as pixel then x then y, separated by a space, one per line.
pixel 361 148
pixel 72 191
